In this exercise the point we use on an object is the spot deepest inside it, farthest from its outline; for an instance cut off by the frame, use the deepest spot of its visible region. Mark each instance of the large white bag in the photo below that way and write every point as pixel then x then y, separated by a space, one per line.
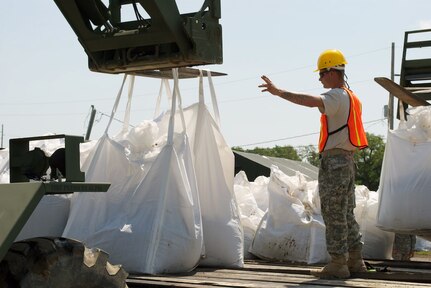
pixel 250 213
pixel 289 231
pixel 106 162
pixel 48 218
pixel 149 220
pixel 214 163
pixel 377 243
pixel 405 182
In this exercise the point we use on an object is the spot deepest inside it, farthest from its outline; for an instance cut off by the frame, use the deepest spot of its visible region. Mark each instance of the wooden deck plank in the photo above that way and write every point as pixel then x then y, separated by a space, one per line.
pixel 255 274
pixel 400 92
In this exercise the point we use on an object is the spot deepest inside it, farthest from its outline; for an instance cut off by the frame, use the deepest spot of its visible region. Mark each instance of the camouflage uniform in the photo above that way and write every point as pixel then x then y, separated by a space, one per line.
pixel 337 196
pixel 404 246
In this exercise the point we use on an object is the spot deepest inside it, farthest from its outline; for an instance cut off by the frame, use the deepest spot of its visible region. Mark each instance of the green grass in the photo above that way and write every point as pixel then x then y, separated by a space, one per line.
pixel 423 253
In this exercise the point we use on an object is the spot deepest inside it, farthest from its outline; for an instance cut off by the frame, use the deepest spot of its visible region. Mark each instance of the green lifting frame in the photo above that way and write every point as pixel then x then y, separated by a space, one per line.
pixel 166 39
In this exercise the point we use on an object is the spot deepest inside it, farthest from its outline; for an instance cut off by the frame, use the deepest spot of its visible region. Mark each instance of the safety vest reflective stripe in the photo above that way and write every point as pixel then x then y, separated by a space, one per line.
pixel 357 135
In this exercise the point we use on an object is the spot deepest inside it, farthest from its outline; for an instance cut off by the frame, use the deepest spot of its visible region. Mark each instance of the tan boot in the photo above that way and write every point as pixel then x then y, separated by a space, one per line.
pixel 356 263
pixel 335 269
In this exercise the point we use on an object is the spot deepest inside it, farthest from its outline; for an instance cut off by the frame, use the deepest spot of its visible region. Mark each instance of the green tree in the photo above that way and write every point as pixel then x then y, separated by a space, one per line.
pixel 369 162
pixel 309 154
pixel 287 152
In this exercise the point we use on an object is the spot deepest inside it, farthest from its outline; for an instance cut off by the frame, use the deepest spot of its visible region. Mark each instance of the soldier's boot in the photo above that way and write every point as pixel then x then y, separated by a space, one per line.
pixel 356 263
pixel 335 269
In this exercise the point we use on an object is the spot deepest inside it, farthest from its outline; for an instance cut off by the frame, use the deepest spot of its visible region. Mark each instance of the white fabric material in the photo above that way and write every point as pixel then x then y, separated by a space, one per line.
pixel 149 220
pixel 214 163
pixel 404 183
pixel 289 231
pixel 377 243
pixel 48 219
pixel 259 189
pixel 292 228
pixel 250 213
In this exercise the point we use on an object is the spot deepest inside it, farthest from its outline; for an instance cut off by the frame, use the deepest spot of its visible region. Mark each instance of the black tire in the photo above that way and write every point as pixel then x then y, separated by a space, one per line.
pixel 58 262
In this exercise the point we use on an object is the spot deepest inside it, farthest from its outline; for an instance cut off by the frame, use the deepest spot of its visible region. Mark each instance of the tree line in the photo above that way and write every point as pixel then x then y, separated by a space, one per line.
pixel 368 161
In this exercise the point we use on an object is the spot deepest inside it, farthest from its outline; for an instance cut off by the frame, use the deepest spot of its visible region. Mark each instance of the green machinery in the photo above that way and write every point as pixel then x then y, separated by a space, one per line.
pixel 20 197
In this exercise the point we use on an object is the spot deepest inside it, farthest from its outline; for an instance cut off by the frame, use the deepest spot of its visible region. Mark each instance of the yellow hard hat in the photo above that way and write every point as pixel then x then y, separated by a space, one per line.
pixel 330 58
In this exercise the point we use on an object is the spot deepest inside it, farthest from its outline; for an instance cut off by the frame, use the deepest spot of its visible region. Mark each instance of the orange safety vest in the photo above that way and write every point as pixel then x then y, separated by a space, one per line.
pixel 357 135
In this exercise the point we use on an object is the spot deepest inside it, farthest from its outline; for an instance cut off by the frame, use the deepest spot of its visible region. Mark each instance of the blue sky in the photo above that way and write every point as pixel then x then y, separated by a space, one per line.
pixel 47 87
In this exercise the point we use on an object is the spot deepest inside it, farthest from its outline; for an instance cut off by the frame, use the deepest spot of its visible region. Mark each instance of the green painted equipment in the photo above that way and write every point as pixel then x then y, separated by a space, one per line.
pixel 19 198
pixel 165 39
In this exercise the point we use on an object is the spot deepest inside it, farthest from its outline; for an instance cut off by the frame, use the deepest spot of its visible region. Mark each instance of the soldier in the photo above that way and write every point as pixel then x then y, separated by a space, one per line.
pixel 341 134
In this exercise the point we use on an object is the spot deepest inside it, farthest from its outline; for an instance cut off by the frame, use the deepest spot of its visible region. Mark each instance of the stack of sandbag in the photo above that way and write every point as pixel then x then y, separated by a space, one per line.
pixel 290 230
pixel 250 213
pixel 405 183
pixel 377 243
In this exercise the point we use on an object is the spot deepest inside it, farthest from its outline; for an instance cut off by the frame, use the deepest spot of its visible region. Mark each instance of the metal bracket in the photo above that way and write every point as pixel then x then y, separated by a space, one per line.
pixel 18 148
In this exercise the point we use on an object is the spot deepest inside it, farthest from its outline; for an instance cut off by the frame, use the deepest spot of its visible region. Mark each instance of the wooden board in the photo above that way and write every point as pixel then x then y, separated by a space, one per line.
pixel 401 93
pixel 267 274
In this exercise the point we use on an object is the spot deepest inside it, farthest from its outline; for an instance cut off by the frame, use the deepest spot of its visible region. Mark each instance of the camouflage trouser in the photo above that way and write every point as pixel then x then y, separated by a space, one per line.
pixel 404 246
pixel 337 197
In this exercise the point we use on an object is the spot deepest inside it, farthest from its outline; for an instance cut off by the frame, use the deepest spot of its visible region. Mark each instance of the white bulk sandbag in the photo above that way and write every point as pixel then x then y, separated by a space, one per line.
pixel 91 212
pixel 163 226
pixel 214 164
pixel 289 231
pixel 160 229
pixel 250 213
pixel 222 231
pixel 105 161
pixel 259 188
pixel 85 150
pixel 405 185
pixel 377 243
pixel 417 128
pixel 48 218
pixel 149 220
